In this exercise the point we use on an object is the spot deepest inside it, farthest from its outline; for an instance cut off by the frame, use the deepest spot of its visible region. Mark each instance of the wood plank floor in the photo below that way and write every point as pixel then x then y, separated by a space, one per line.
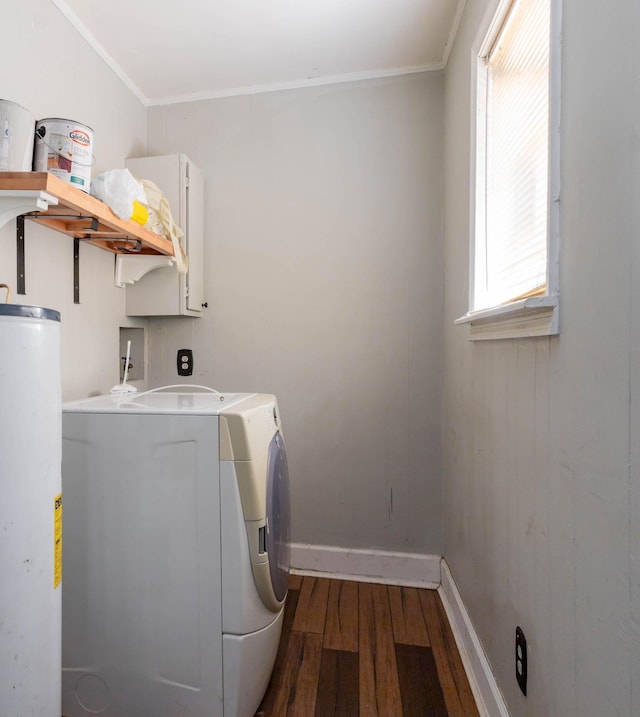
pixel 365 650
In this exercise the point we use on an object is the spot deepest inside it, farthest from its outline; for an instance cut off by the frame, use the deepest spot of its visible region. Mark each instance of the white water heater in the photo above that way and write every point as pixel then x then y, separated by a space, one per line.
pixel 30 512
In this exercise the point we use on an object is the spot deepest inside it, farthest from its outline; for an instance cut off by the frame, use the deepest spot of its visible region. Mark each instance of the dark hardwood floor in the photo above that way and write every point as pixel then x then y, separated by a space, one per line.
pixel 366 650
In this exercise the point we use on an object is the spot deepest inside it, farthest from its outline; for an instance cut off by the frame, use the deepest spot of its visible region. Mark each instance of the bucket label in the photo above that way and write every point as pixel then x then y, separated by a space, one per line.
pixel 57 541
pixel 77 135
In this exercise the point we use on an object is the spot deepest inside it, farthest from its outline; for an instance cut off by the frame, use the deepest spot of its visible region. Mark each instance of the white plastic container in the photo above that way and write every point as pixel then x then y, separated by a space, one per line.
pixel 17 127
pixel 30 512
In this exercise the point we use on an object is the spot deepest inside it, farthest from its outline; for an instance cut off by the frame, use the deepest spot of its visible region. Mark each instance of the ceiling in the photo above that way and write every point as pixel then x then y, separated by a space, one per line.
pixel 172 50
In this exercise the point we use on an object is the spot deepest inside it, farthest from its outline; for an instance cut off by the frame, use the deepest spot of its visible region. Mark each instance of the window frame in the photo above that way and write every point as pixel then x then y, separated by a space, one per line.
pixel 535 315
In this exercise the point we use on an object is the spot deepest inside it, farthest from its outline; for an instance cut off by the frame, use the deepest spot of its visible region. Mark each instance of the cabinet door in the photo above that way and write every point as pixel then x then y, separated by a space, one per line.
pixel 165 292
pixel 194 230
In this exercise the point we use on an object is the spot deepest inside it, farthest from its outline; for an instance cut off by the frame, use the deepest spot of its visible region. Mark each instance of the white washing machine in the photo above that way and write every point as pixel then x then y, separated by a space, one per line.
pixel 175 553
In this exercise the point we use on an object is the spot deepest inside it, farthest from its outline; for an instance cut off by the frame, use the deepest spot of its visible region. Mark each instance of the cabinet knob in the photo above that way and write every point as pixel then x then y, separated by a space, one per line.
pixel 205 304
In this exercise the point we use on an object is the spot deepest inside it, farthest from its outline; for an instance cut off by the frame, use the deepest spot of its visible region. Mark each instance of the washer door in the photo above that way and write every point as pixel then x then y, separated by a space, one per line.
pixel 278 517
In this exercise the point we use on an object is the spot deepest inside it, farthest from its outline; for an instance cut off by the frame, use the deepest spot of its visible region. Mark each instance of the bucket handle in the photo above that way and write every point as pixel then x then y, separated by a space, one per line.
pixel 8 288
pixel 55 151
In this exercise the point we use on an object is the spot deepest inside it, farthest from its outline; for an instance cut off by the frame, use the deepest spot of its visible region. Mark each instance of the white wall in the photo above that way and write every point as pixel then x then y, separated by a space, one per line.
pixel 324 283
pixel 541 459
pixel 48 68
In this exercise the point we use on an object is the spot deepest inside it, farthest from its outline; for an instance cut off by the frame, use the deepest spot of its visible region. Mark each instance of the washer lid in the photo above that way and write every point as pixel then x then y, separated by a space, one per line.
pixel 155 402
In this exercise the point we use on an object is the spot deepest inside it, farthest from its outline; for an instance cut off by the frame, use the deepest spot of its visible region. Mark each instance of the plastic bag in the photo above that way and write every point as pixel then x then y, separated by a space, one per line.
pixel 119 190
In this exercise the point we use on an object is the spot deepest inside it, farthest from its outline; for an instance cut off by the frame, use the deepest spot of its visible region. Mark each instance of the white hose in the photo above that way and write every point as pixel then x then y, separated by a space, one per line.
pixel 177 385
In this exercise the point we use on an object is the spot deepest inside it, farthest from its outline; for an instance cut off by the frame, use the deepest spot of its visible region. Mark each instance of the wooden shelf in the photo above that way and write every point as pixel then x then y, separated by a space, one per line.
pixel 58 205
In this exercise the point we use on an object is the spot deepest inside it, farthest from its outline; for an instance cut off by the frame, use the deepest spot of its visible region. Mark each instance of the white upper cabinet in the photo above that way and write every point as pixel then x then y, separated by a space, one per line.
pixel 164 291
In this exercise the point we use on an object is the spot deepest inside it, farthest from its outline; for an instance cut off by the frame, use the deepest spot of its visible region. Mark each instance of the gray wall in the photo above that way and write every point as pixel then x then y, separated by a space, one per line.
pixel 541 457
pixel 48 68
pixel 324 283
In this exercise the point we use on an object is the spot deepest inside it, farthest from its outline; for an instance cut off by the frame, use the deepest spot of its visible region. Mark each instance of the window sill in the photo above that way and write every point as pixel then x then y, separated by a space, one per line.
pixel 536 316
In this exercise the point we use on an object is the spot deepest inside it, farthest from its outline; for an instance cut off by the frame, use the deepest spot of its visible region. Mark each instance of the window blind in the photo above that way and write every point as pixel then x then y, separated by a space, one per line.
pixel 516 171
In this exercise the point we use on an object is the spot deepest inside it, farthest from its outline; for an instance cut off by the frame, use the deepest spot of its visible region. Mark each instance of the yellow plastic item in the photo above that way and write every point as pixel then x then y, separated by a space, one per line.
pixel 140 213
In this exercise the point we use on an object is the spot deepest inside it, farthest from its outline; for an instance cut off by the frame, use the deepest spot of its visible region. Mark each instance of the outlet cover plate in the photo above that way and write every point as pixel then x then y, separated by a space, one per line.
pixel 521 660
pixel 185 362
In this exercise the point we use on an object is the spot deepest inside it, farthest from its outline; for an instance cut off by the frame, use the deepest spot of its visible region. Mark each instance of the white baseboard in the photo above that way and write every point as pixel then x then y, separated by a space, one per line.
pixel 375 566
pixel 483 684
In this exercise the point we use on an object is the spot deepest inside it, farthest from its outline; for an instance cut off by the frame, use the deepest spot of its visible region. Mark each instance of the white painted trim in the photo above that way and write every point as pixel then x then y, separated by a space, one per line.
pixel 555 125
pixel 100 50
pixel 375 566
pixel 295 84
pixel 483 684
pixel 536 316
pixel 453 32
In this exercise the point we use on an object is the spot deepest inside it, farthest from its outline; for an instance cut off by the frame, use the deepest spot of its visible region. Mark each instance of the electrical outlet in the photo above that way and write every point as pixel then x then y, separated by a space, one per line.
pixel 521 660
pixel 185 362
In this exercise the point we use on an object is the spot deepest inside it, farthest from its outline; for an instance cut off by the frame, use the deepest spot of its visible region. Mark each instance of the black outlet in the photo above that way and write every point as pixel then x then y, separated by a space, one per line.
pixel 521 660
pixel 185 362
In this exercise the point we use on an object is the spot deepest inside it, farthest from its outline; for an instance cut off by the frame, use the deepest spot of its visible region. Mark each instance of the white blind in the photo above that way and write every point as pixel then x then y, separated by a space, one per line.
pixel 517 131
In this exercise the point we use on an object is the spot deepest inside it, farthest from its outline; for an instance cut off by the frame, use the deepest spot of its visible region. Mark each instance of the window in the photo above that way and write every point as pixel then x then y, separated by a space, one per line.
pixel 513 288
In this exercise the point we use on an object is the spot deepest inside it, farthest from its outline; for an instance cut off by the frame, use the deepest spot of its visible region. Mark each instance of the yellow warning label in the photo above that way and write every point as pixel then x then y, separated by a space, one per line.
pixel 57 541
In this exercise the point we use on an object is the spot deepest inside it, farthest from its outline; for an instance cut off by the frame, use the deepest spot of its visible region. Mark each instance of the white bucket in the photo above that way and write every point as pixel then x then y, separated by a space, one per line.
pixel 64 148
pixel 16 137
